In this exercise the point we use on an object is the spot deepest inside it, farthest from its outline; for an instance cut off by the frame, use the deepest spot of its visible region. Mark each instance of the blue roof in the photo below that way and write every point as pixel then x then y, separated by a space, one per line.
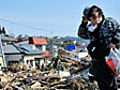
pixel 26 48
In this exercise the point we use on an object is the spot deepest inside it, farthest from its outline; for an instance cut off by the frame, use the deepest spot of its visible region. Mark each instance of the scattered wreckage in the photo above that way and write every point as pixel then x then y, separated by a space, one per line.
pixel 59 73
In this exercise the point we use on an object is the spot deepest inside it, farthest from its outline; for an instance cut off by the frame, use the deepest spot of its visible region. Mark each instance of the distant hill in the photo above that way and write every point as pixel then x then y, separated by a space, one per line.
pixel 76 38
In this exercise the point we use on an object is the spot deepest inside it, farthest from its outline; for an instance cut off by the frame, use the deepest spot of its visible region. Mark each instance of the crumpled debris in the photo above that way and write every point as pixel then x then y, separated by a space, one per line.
pixel 63 72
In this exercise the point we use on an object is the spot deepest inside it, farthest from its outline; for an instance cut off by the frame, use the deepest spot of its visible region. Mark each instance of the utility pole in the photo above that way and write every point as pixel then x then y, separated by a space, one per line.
pixel 2 51
pixel 52 52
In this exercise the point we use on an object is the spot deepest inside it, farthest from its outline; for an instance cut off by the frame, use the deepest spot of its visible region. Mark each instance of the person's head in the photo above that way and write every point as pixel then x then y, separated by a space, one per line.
pixel 95 15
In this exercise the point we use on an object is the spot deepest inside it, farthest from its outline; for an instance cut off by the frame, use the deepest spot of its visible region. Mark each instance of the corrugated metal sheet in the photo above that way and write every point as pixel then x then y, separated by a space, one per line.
pixel 13 57
pixel 10 49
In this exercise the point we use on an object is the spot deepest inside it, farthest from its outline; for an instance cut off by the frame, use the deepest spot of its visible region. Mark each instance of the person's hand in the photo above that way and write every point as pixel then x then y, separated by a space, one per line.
pixel 112 45
pixel 85 20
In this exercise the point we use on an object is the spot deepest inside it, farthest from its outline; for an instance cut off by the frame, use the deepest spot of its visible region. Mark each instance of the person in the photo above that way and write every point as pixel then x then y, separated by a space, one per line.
pixel 104 34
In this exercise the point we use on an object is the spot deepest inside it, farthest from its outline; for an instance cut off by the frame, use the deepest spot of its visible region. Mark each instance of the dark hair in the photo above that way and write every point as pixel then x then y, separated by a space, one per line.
pixel 94 12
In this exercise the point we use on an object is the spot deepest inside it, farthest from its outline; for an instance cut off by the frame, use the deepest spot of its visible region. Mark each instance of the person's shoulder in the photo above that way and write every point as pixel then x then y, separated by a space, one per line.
pixel 110 19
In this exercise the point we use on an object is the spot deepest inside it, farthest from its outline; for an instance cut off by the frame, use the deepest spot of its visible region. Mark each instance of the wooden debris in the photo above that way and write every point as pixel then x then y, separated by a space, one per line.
pixel 59 73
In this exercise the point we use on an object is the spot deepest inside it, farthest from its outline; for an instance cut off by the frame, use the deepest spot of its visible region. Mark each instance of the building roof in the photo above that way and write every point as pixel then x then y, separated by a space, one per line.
pixel 37 41
pixel 15 52
pixel 27 49
pixel 21 49
pixel 22 42
pixel 11 49
pixel 8 38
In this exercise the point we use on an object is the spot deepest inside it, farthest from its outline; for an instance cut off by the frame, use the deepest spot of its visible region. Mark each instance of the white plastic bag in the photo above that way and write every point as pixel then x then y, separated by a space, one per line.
pixel 113 60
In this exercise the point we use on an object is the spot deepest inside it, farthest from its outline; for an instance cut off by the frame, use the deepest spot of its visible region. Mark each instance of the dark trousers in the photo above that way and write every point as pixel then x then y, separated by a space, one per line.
pixel 104 76
pixel 102 86
pixel 114 85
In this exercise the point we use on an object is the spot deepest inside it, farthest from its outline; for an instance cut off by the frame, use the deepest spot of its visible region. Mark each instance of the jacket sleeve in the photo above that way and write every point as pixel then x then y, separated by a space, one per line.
pixel 114 32
pixel 116 35
pixel 82 31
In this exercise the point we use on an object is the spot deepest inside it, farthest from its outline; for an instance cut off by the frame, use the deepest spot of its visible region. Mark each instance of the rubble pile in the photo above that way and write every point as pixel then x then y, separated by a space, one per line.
pixel 59 73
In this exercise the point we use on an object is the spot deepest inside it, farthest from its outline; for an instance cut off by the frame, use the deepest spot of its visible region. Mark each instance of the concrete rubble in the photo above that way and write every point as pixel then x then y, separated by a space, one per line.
pixel 60 73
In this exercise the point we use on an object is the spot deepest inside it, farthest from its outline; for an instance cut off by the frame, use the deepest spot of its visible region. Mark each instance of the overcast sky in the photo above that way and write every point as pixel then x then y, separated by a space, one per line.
pixel 50 17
